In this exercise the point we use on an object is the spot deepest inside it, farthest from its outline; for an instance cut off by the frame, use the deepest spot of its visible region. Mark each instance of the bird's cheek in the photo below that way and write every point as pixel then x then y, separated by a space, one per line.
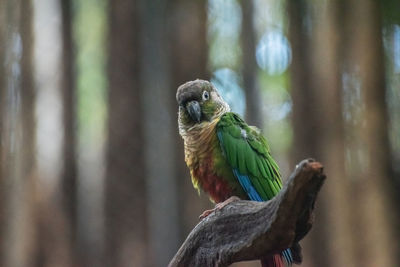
pixel 208 111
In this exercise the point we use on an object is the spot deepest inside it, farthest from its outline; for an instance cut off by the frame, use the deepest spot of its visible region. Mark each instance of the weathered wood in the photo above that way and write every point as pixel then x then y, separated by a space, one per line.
pixel 248 230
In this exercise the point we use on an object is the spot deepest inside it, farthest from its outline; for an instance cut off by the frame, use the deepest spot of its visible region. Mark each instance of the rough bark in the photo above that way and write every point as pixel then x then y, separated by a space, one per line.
pixel 248 230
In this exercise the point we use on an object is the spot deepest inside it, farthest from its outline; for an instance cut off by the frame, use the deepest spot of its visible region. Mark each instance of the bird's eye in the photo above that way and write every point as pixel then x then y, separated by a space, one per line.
pixel 206 95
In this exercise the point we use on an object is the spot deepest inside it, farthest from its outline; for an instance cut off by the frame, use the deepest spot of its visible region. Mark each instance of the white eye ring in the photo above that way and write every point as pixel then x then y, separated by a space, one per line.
pixel 206 96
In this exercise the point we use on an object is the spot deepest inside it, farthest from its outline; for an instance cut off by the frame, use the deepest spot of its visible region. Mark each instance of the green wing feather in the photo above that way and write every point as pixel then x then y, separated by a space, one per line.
pixel 247 152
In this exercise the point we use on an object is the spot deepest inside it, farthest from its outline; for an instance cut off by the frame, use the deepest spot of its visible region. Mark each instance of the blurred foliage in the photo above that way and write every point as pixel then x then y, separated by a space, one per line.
pixel 90 35
pixel 390 11
pixel 276 109
pixel 224 22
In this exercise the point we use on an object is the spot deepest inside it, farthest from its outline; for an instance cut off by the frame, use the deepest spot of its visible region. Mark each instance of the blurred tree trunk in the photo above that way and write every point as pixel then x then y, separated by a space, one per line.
pixel 249 66
pixel 304 114
pixel 3 94
pixel 125 198
pixel 376 242
pixel 327 68
pixel 317 105
pixel 156 100
pixel 68 175
pixel 187 32
pixel 301 79
pixel 18 137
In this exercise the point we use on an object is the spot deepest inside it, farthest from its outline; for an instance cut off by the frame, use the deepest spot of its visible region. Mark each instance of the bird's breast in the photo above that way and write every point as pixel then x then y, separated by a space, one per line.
pixel 206 177
pixel 201 151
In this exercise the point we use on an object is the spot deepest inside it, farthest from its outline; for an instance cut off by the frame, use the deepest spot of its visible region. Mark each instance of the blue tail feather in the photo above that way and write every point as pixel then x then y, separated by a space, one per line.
pixel 287 255
pixel 246 184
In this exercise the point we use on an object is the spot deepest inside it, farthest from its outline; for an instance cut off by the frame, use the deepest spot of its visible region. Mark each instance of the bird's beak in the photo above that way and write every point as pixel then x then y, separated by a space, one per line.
pixel 194 110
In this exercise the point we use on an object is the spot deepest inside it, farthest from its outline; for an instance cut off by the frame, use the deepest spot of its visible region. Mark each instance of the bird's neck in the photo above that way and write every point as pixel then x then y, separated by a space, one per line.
pixel 198 135
pixel 199 138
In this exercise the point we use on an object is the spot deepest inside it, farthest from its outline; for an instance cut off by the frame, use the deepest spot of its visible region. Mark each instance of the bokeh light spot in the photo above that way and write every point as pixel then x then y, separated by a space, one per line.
pixel 273 52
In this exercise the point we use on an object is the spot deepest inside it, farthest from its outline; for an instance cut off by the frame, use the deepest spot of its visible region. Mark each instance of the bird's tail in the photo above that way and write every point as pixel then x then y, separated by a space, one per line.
pixel 287 255
pixel 290 256
pixel 272 261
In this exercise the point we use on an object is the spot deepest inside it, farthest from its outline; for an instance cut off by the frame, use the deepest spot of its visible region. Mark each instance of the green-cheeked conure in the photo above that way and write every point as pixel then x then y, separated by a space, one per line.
pixel 226 157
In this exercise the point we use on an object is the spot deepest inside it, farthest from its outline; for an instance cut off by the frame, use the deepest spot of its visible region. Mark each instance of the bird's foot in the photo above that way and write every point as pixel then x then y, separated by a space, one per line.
pixel 218 206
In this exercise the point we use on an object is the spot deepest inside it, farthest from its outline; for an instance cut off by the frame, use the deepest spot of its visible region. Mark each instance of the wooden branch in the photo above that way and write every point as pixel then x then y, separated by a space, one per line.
pixel 249 230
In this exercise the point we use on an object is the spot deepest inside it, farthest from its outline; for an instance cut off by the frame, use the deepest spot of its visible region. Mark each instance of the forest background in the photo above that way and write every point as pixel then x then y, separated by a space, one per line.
pixel 91 165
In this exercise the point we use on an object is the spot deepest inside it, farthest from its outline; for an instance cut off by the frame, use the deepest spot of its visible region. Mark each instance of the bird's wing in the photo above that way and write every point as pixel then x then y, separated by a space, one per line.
pixel 247 152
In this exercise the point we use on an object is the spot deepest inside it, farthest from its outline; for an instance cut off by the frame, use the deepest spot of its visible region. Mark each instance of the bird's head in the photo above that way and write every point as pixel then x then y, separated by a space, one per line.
pixel 199 101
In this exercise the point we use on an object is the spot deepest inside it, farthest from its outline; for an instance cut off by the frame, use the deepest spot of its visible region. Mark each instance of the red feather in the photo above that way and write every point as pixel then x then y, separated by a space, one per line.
pixel 272 261
pixel 218 189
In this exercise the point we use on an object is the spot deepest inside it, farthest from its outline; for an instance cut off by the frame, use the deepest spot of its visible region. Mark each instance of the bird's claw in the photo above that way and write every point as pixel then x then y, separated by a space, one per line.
pixel 218 206
pixel 206 213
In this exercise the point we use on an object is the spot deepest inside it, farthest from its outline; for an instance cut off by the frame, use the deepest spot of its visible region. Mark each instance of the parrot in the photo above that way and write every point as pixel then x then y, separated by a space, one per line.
pixel 226 157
